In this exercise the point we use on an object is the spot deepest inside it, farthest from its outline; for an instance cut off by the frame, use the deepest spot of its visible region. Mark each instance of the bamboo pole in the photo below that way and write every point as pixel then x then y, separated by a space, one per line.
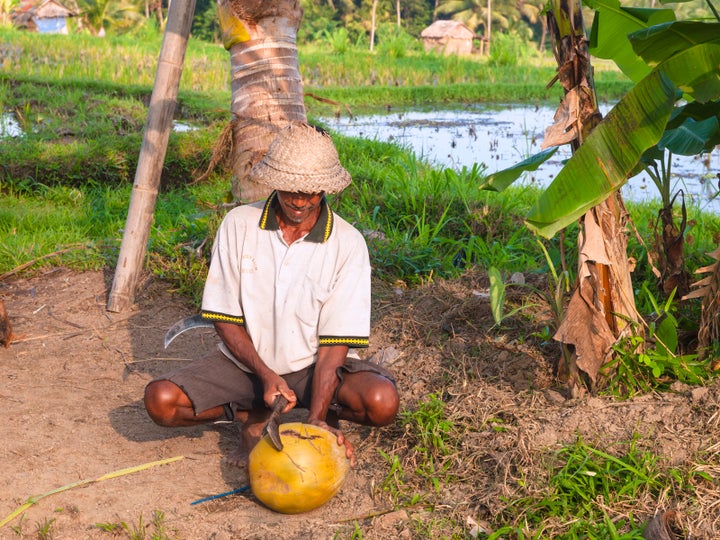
pixel 152 155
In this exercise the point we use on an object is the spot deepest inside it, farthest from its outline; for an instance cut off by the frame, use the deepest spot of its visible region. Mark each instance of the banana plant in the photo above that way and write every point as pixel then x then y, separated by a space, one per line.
pixel 691 130
pixel 674 107
pixel 681 61
pixel 601 309
pixel 669 60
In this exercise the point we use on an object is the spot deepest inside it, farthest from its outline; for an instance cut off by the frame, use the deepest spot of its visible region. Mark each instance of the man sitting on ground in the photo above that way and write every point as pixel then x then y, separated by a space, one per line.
pixel 288 291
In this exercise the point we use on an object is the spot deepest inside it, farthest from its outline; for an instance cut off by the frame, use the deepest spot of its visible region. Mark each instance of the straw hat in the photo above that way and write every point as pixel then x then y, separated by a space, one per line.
pixel 301 159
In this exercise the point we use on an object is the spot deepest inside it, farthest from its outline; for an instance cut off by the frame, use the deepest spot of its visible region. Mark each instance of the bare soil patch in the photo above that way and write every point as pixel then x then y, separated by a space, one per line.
pixel 72 390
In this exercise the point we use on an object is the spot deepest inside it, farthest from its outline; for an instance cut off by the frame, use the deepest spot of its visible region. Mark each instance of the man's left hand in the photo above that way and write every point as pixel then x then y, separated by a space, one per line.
pixel 341 439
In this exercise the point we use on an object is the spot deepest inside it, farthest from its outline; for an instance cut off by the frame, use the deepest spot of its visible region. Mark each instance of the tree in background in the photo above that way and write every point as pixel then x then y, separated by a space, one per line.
pixel 115 16
pixel 472 13
pixel 355 17
pixel 205 23
pixel 6 8
pixel 521 18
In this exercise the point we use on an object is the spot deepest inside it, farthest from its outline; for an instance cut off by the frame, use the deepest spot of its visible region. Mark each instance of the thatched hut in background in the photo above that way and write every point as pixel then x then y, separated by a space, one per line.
pixel 48 17
pixel 448 37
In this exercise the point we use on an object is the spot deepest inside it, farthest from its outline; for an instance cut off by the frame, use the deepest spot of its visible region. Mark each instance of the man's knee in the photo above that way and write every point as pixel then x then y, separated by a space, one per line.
pixel 383 402
pixel 161 402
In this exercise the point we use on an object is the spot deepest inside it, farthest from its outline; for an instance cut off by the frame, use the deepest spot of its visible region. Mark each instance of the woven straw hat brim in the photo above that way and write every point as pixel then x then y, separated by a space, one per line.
pixel 301 159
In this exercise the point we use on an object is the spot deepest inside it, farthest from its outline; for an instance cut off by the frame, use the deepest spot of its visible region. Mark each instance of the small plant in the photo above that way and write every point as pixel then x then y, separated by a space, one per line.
pixel 394 481
pixel 435 439
pixel 558 287
pixel 395 42
pixel 584 482
pixel 157 529
pixel 643 364
pixel 44 529
pixel 357 532
pixel 432 429
pixel 338 39
pixel 507 50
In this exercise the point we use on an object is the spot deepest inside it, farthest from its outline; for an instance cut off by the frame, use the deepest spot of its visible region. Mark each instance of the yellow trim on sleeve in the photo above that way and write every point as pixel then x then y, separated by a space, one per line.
pixel 221 317
pixel 349 341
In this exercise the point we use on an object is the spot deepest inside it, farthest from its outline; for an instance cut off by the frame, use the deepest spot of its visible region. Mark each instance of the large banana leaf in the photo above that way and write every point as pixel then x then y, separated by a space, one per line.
pixel 601 165
pixel 610 29
pixel 660 42
pixel 691 137
pixel 500 180
pixel 603 162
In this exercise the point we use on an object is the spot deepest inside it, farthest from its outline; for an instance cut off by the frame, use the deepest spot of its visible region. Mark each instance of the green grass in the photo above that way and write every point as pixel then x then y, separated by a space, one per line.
pixel 577 490
pixel 124 60
pixel 358 76
pixel 65 184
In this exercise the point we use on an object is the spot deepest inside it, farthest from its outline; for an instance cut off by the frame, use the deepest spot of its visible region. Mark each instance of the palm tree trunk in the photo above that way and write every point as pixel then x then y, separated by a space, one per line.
pixel 602 307
pixel 489 24
pixel 267 91
pixel 372 25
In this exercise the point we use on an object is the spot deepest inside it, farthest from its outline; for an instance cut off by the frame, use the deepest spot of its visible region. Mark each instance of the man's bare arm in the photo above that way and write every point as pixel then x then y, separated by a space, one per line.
pixel 325 381
pixel 241 346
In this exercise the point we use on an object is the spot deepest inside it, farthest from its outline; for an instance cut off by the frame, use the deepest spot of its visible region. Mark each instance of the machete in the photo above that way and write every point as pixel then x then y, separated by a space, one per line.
pixel 194 321
pixel 272 429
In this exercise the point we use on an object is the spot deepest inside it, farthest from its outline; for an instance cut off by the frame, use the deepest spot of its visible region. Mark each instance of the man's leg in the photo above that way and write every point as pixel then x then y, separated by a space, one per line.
pixel 368 398
pixel 210 390
pixel 167 405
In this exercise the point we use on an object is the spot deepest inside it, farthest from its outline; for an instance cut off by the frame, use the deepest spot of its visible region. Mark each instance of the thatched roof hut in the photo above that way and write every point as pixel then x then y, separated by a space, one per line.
pixel 47 17
pixel 448 37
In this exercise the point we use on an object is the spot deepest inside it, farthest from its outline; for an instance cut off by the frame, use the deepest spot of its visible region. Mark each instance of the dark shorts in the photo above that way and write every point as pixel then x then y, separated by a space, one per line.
pixel 216 380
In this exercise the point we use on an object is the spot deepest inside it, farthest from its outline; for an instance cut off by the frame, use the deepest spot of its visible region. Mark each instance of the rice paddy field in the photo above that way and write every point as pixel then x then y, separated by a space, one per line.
pixel 488 444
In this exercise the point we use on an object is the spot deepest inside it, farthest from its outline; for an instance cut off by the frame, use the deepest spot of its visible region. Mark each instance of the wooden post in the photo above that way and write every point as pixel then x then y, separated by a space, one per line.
pixel 152 155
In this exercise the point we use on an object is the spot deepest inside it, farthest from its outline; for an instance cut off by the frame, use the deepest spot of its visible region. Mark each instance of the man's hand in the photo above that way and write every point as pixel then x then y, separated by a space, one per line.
pixel 276 387
pixel 341 439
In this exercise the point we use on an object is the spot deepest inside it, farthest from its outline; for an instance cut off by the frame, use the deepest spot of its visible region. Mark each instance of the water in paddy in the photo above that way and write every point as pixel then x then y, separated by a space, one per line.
pixel 502 135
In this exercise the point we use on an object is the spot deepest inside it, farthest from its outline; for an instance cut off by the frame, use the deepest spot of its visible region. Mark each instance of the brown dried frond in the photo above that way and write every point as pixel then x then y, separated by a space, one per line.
pixel 221 151
pixel 253 11
pixel 708 288
pixel 6 333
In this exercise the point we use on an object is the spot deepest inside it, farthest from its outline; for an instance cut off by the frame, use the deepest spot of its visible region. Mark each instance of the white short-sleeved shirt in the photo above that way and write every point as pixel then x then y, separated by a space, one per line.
pixel 294 298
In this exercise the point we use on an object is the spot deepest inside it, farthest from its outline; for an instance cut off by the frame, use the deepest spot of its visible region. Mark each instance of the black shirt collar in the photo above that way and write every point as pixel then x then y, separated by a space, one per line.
pixel 319 233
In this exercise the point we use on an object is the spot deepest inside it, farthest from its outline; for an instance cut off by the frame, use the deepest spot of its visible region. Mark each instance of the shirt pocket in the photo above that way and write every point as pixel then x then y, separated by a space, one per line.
pixel 310 300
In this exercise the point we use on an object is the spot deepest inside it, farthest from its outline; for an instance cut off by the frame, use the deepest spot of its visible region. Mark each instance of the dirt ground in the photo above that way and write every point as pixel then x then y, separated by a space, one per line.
pixel 73 380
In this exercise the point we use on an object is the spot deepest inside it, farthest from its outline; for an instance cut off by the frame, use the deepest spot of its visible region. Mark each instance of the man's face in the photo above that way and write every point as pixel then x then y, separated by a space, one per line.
pixel 297 208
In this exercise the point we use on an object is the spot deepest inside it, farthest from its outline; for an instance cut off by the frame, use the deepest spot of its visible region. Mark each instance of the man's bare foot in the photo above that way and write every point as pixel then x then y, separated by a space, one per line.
pixel 237 458
pixel 250 435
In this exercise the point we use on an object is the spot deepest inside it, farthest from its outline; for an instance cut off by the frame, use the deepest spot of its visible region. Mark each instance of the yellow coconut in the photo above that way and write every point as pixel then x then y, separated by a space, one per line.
pixel 305 474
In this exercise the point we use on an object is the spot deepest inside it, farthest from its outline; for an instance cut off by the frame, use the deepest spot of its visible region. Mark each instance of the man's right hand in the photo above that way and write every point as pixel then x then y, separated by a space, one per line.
pixel 238 342
pixel 276 387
